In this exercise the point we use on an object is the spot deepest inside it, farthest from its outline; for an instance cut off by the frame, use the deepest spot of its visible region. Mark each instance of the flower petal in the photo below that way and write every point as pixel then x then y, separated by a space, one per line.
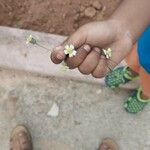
pixel 67 47
pixel 29 39
pixel 27 42
pixel 74 52
pixel 107 56
pixel 70 55
pixel 72 47
pixel 110 55
pixel 105 52
pixel 66 52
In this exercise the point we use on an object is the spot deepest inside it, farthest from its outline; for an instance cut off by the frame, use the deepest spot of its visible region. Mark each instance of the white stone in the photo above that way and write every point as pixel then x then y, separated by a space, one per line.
pixel 90 12
pixel 54 111
pixel 99 91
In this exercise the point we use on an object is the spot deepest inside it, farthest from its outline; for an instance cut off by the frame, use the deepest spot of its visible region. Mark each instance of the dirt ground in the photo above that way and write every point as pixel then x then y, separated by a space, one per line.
pixel 54 16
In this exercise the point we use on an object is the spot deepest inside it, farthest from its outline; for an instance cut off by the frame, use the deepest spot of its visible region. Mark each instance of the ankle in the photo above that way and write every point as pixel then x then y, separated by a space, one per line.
pixel 132 73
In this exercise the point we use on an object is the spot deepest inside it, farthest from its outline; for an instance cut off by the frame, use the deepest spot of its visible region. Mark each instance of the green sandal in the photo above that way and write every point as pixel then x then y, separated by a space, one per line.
pixel 118 76
pixel 134 103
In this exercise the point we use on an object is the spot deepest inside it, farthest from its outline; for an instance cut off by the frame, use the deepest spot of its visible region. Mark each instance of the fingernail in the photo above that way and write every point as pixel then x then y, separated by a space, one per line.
pixel 60 55
pixel 87 48
pixel 58 48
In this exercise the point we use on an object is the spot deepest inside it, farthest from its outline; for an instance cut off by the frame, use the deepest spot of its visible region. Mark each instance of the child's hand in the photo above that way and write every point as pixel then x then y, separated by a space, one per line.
pixel 89 40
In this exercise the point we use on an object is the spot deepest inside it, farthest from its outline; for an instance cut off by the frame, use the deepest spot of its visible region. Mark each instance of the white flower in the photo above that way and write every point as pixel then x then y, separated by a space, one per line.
pixel 108 53
pixel 69 50
pixel 31 40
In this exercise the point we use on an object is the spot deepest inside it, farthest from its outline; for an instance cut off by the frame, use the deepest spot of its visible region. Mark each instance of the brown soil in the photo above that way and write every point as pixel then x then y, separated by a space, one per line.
pixel 54 16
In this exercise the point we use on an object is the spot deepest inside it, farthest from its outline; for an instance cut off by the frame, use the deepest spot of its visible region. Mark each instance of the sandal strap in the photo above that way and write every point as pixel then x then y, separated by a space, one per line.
pixel 139 97
pixel 127 74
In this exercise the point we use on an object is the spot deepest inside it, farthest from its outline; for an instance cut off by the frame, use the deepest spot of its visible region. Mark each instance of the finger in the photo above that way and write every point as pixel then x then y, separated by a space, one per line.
pixel 119 51
pixel 82 53
pixel 90 62
pixel 101 69
pixel 77 40
pixel 57 55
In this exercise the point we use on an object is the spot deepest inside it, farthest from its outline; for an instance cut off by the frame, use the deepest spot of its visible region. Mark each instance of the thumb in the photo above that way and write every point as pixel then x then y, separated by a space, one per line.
pixel 77 40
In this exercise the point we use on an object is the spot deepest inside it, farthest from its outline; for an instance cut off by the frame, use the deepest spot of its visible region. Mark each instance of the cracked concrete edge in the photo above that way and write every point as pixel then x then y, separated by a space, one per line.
pixel 15 54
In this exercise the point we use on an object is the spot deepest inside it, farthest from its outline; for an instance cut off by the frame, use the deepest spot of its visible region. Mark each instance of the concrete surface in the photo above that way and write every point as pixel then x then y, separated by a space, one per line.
pixel 87 115
pixel 88 112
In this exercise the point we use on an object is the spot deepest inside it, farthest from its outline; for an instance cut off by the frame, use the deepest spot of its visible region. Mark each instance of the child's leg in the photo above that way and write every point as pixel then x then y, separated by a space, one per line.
pixel 140 97
pixel 145 84
pixel 132 61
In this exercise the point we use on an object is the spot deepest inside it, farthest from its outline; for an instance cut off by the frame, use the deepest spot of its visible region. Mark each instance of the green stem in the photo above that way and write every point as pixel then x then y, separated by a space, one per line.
pixel 42 46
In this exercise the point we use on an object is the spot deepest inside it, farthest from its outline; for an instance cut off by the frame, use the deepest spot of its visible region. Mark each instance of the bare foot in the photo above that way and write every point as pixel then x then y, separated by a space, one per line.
pixel 108 144
pixel 20 139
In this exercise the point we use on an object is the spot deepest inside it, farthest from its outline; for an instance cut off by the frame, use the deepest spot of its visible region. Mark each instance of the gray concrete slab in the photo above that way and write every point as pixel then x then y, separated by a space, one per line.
pixel 86 114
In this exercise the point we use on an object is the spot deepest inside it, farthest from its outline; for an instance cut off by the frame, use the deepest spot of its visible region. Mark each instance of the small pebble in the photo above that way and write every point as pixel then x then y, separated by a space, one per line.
pixel 90 12
pixel 82 8
pixel 98 91
pixel 54 111
pixel 97 5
